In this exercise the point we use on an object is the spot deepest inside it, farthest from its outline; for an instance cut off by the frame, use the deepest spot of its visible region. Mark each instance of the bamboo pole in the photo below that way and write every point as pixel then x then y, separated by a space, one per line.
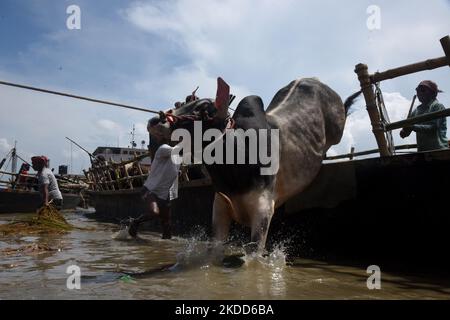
pixel 141 172
pixel 96 179
pixel 445 43
pixel 369 96
pixel 418 119
pixel 104 178
pixel 367 152
pixel 429 64
pixel 110 180
pixel 412 106
pixel 130 183
pixel 117 175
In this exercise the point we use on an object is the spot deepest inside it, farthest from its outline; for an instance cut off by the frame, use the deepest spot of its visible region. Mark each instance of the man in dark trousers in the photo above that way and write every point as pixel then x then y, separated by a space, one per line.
pixel 431 135
pixel 161 186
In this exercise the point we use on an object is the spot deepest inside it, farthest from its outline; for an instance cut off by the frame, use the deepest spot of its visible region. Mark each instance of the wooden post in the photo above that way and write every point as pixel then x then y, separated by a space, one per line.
pixel 377 128
pixel 445 43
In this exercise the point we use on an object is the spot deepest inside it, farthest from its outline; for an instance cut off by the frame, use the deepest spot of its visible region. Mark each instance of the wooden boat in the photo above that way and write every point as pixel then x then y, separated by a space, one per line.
pixel 18 191
pixel 23 201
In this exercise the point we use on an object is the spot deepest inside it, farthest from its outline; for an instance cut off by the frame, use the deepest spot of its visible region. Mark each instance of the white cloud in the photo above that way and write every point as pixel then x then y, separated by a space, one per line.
pixel 153 53
pixel 109 125
pixel 5 147
pixel 182 81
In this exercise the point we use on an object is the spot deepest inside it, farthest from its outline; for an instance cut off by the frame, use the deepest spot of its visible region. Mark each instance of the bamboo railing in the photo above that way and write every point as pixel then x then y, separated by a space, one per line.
pixel 130 175
pixel 14 182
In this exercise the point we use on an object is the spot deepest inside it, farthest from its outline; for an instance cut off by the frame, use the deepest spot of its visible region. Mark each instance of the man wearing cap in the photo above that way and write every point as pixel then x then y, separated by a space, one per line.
pixel 48 186
pixel 431 135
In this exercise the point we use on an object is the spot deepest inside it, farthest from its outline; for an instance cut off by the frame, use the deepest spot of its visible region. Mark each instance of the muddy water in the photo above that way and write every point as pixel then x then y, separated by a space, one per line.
pixel 179 269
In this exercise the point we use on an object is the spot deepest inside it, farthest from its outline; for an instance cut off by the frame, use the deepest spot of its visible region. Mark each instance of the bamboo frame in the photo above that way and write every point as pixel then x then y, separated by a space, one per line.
pixel 123 181
pixel 366 81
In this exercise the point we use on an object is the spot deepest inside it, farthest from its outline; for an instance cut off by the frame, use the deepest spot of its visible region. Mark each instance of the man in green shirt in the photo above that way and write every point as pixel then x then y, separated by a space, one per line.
pixel 431 135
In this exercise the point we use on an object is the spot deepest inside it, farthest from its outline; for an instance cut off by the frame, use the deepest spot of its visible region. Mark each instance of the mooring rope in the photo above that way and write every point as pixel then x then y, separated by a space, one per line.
pixel 76 96
pixel 121 105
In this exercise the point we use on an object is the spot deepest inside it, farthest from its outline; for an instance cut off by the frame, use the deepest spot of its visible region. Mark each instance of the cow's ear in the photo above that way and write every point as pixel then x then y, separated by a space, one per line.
pixel 222 98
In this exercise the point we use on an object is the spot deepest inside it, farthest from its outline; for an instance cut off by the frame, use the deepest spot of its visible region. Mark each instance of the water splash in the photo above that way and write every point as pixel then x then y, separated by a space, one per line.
pixel 198 253
pixel 121 235
pixel 275 259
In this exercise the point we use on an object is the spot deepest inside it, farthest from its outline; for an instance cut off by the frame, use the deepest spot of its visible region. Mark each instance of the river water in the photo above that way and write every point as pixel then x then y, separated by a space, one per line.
pixel 35 267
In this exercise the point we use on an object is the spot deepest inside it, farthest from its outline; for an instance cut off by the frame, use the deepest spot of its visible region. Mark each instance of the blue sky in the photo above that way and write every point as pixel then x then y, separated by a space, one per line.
pixel 153 53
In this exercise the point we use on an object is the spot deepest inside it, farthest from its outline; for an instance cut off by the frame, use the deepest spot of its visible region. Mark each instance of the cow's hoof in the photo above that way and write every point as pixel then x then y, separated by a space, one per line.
pixel 251 248
pixel 233 261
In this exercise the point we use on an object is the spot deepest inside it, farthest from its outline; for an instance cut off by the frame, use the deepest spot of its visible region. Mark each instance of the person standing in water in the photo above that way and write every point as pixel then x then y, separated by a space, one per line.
pixel 48 185
pixel 161 186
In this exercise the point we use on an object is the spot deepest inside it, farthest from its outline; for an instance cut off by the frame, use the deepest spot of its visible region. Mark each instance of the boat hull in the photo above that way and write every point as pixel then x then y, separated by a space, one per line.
pixel 377 209
pixel 21 201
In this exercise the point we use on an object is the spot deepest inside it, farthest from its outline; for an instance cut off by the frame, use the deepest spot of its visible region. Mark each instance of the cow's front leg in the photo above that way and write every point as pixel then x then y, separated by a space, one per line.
pixel 261 216
pixel 221 226
pixel 221 217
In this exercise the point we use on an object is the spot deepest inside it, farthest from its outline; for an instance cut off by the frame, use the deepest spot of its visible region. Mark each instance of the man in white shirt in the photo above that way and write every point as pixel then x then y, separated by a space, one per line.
pixel 48 185
pixel 161 186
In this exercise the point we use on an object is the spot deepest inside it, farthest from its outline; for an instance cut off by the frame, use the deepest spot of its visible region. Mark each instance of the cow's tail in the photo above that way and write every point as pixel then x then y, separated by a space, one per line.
pixel 350 100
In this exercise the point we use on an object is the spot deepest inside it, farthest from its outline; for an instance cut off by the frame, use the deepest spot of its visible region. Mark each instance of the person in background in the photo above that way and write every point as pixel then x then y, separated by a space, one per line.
pixel 431 135
pixel 48 185
pixel 22 179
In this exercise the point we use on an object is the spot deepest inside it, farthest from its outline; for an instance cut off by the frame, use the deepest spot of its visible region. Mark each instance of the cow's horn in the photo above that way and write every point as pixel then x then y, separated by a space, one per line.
pixel 222 98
